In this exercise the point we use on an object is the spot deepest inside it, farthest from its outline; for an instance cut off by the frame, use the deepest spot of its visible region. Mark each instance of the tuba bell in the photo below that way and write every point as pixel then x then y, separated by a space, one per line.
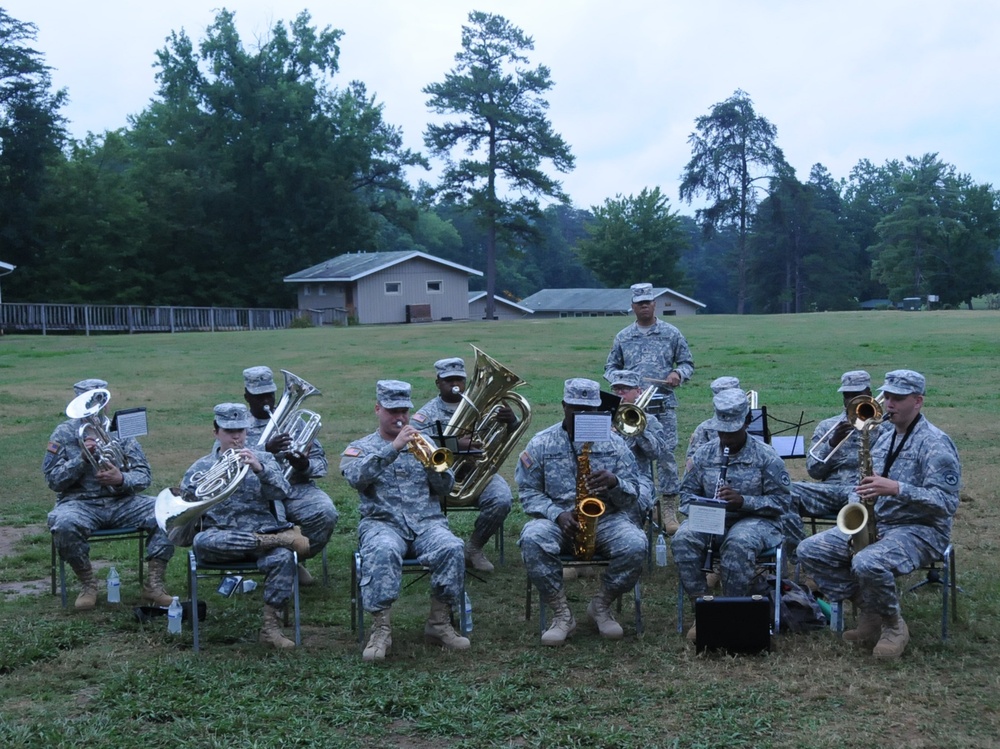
pixel 491 387
pixel 88 406
pixel 285 414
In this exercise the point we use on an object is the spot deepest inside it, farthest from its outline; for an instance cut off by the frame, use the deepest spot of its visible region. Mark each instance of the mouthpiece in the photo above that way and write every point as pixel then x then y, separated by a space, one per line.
pixel 399 422
pixel 456 390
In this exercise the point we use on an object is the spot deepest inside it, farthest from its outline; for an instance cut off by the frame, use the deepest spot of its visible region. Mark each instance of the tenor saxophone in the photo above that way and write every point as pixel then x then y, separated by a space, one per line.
pixel 587 509
pixel 857 519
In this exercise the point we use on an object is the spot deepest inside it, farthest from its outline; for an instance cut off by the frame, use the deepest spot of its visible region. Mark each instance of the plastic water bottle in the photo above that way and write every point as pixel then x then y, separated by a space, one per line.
pixel 174 614
pixel 114 587
pixel 836 607
pixel 661 551
pixel 468 613
pixel 248 585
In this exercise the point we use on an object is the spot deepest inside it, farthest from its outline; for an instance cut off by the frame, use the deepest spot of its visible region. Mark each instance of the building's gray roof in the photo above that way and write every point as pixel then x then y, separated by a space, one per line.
pixel 354 265
pixel 592 300
pixel 477 295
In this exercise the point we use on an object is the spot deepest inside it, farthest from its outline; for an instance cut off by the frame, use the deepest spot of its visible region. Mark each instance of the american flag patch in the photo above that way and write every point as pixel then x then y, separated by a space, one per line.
pixel 352 452
pixel 419 418
pixel 53 447
pixel 526 460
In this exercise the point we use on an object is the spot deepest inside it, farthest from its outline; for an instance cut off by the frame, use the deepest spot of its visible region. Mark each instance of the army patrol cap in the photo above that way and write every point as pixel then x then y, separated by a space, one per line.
pixel 258 380
pixel 624 378
pixel 232 416
pixel 446 368
pixel 724 383
pixel 393 394
pixel 642 292
pixel 855 381
pixel 580 392
pixel 903 382
pixel 85 386
pixel 731 409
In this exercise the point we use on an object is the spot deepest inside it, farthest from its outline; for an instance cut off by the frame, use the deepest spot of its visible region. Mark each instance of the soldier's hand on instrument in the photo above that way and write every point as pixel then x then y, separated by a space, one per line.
pixel 841 433
pixel 734 500
pixel 405 436
pixel 602 481
pixel 278 443
pixel 567 523
pixel 877 486
pixel 91 444
pixel 506 415
pixel 109 475
pixel 298 461
pixel 250 458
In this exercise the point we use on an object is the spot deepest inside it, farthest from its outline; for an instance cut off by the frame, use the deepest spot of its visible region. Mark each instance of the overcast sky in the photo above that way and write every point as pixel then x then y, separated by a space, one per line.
pixel 841 81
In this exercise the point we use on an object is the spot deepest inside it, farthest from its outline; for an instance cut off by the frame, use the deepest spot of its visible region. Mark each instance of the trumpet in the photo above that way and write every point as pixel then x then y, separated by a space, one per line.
pixel 437 459
pixel 862 411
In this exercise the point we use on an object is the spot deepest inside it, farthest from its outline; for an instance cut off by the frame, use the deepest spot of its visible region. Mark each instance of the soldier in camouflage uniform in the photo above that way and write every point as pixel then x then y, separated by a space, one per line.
pixel 401 517
pixel 495 501
pixel 546 478
pixel 243 527
pixel 916 492
pixel 702 433
pixel 645 446
pixel 307 506
pixel 756 494
pixel 838 475
pixel 658 352
pixel 88 500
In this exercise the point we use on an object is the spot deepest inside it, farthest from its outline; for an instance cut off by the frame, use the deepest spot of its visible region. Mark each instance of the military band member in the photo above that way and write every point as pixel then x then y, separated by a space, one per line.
pixel 659 353
pixel 702 433
pixel 645 445
pixel 546 475
pixel 401 517
pixel 915 487
pixel 756 492
pixel 495 501
pixel 90 499
pixel 307 505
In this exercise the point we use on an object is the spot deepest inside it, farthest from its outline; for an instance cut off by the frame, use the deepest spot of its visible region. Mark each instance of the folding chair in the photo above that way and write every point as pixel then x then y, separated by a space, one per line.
pixel 197 569
pixel 567 560
pixel 105 534
pixel 947 577
pixel 498 542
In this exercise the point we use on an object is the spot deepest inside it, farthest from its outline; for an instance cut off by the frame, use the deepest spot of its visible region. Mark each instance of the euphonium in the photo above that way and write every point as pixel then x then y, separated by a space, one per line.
pixel 587 509
pixel 438 459
pixel 491 387
pixel 286 412
pixel 88 406
pixel 630 418
pixel 302 432
pixel 857 519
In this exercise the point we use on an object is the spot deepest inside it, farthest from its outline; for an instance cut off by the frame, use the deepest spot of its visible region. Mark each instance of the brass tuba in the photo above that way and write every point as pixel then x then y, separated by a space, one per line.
pixel 492 386
pixel 587 509
pixel 630 418
pixel 88 406
pixel 179 519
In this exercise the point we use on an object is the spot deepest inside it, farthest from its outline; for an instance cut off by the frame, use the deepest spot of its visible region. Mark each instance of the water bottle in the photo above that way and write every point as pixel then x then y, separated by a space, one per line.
pixel 468 613
pixel 661 551
pixel 114 587
pixel 174 614
pixel 248 585
pixel 836 609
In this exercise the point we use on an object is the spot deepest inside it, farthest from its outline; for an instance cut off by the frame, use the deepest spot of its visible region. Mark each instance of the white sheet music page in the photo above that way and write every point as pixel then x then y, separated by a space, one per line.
pixel 591 427
pixel 707 515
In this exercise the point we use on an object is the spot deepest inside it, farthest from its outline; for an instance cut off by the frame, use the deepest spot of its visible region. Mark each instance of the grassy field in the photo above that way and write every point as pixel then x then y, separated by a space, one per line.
pixel 100 679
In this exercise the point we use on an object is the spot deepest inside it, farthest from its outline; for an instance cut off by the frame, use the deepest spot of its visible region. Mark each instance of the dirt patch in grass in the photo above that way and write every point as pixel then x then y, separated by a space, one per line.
pixel 9 538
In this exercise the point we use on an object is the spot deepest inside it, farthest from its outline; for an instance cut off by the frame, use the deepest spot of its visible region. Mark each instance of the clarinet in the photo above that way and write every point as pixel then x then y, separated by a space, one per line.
pixel 723 470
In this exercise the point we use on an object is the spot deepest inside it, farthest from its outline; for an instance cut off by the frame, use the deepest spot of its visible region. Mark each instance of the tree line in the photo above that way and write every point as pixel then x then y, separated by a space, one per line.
pixel 252 163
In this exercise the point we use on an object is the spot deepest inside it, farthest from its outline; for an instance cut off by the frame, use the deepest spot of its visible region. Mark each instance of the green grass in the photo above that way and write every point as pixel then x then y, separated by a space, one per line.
pixel 100 679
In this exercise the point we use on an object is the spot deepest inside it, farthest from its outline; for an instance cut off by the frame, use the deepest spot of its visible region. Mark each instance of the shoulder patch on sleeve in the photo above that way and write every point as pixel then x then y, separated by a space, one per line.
pixel 526 460
pixel 419 418
pixel 951 478
pixel 53 447
pixel 785 480
pixel 352 452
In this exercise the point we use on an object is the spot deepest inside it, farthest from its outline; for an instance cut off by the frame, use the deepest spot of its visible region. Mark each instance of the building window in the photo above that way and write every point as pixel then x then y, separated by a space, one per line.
pixel 306 291
pixel 435 287
pixel 322 289
pixel 393 287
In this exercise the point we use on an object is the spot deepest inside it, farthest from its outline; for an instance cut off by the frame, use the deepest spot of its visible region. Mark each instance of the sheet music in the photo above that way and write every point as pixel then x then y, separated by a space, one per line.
pixel 591 427
pixel 706 515
pixel 131 422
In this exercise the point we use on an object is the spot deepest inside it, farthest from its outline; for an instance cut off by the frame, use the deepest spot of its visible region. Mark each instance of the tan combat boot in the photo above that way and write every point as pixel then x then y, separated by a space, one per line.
pixel 868 630
pixel 290 539
pixel 895 635
pixel 270 631
pixel 305 579
pixel 88 587
pixel 668 514
pixel 563 624
pixel 380 640
pixel 599 611
pixel 438 630
pixel 153 590
pixel 475 558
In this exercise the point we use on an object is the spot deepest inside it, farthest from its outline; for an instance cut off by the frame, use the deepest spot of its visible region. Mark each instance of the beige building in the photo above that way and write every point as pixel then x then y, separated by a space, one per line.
pixel 605 303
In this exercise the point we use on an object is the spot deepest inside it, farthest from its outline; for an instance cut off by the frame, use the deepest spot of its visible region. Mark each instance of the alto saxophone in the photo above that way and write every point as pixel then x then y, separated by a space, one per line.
pixel 587 509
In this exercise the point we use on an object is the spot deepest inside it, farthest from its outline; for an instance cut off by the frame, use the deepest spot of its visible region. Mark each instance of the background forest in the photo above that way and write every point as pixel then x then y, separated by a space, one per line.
pixel 255 161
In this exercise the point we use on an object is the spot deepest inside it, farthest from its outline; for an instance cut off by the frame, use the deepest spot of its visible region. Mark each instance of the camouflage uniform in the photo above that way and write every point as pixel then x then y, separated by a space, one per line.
pixel 654 353
pixel 913 527
pixel 701 435
pixel 546 481
pixel 307 506
pixel 84 506
pixel 759 475
pixel 400 514
pixel 646 447
pixel 230 528
pixel 495 502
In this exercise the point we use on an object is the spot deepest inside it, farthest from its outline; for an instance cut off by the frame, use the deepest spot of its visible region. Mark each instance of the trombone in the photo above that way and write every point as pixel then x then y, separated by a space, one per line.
pixel 630 418
pixel 861 411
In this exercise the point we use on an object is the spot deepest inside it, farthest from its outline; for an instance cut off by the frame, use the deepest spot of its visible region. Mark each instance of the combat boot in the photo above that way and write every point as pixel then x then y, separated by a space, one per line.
pixel 153 590
pixel 438 630
pixel 305 579
pixel 475 558
pixel 868 630
pixel 88 587
pixel 380 640
pixel 668 514
pixel 563 624
pixel 270 631
pixel 599 611
pixel 290 539
pixel 895 635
